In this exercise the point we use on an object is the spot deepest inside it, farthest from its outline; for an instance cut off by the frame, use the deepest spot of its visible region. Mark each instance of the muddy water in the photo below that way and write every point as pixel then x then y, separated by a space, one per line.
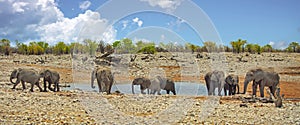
pixel 182 88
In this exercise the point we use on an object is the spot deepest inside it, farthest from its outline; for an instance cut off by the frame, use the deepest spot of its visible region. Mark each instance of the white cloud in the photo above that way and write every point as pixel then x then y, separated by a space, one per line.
pixel 85 5
pixel 279 45
pixel 169 5
pixel 86 26
pixel 20 19
pixel 18 6
pixel 41 20
pixel 138 21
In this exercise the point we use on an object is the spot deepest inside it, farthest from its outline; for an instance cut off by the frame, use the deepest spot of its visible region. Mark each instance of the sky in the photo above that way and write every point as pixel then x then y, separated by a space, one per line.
pixel 274 22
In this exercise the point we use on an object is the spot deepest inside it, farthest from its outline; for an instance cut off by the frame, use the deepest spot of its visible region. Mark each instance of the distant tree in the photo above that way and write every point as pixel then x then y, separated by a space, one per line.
pixel 90 46
pixel 127 45
pixel 257 48
pixel 76 48
pixel 227 49
pixel 293 46
pixel 5 46
pixel 249 48
pixel 61 48
pixel 210 46
pixel 238 45
pixel 148 50
pixel 267 48
pixel 22 48
pixel 35 49
pixel 101 47
pixel 191 47
pixel 116 45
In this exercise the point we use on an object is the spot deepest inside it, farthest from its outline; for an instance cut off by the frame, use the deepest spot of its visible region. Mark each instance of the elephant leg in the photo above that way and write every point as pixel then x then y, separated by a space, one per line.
pixel 168 91
pixel 254 87
pixel 148 90
pixel 31 88
pixel 261 90
pixel 38 85
pixel 230 90
pixel 49 86
pixel 57 86
pixel 211 89
pixel 23 85
pixel 45 86
pixel 273 89
pixel 108 88
pixel 219 89
pixel 174 92
pixel 17 82
pixel 158 92
pixel 225 91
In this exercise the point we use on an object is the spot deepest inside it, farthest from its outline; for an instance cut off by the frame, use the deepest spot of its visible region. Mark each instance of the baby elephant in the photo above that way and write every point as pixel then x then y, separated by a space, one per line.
pixel 52 77
pixel 231 83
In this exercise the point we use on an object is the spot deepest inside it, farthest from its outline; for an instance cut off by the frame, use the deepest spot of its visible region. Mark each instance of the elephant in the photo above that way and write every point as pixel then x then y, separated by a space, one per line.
pixel 213 80
pixel 231 83
pixel 52 77
pixel 26 75
pixel 261 78
pixel 168 85
pixel 155 85
pixel 104 77
pixel 143 82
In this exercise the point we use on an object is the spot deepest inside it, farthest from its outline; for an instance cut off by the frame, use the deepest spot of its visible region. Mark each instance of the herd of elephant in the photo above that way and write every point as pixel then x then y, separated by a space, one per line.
pixel 214 79
pixel 33 77
pixel 105 80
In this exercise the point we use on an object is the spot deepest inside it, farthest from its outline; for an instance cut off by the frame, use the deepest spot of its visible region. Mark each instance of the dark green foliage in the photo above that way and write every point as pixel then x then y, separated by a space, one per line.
pixel 5 46
pixel 148 50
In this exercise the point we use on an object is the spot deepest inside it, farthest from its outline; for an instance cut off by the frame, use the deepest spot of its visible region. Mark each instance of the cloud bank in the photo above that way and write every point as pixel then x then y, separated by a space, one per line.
pixel 41 20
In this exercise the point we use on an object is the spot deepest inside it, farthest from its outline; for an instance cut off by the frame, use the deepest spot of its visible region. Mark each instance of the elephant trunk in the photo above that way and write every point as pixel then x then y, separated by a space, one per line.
pixel 132 89
pixel 11 77
pixel 93 76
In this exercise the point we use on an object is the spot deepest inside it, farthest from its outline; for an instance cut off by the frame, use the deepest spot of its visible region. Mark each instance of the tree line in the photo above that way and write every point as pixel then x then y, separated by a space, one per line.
pixel 127 46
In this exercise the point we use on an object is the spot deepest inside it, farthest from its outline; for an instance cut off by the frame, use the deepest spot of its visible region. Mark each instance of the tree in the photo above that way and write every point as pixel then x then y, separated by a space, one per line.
pixel 238 45
pixel 90 46
pixel 190 46
pixel 61 48
pixel 210 46
pixel 5 46
pixel 293 46
pixel 267 48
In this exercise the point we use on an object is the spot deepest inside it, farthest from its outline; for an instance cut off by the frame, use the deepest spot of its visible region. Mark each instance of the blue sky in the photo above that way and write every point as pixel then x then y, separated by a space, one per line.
pixel 274 22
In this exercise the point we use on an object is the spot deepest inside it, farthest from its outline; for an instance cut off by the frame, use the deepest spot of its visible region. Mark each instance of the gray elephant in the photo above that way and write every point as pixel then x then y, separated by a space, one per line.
pixel 231 83
pixel 52 77
pixel 213 80
pixel 26 75
pixel 168 85
pixel 104 77
pixel 155 85
pixel 143 82
pixel 261 78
